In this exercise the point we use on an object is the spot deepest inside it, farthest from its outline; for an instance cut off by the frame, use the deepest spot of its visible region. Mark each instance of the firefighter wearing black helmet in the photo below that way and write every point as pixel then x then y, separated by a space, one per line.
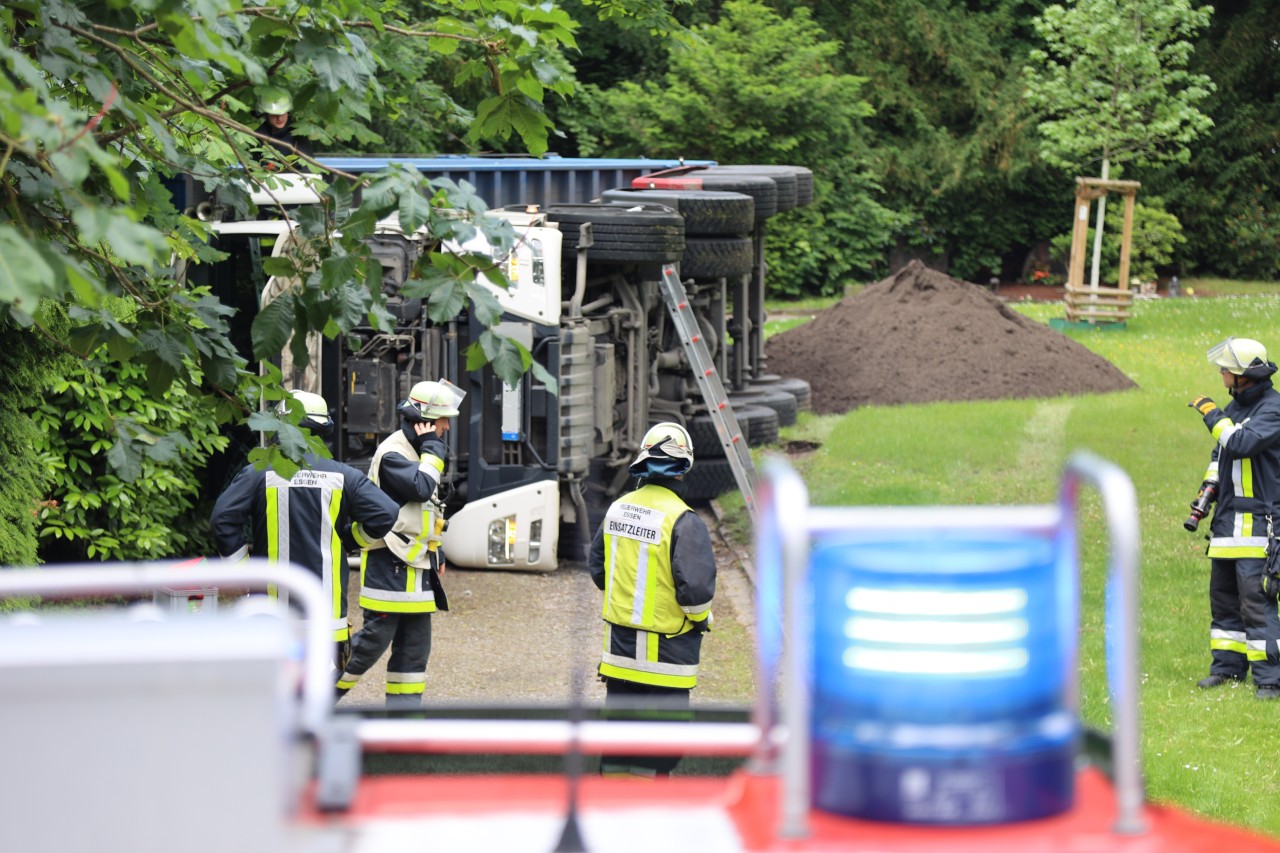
pixel 653 559
pixel 311 519
pixel 1244 579
pixel 399 574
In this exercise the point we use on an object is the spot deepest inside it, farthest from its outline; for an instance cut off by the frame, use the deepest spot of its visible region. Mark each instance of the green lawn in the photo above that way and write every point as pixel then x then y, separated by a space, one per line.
pixel 1214 753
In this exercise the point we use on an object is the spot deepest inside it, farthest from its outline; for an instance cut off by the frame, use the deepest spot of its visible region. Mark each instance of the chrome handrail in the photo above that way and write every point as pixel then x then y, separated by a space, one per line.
pixel 109 579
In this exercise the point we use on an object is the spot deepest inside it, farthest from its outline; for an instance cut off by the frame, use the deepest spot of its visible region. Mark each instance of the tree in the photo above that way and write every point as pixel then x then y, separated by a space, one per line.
pixel 102 103
pixel 1113 84
pixel 756 87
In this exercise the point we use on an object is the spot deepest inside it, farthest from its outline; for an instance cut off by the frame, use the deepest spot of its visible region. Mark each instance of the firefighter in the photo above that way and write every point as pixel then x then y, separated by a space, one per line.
pixel 653 559
pixel 275 105
pixel 1244 583
pixel 311 519
pixel 399 575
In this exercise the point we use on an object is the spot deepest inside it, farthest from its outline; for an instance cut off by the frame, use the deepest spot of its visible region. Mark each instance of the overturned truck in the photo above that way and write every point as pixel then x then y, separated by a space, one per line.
pixel 600 243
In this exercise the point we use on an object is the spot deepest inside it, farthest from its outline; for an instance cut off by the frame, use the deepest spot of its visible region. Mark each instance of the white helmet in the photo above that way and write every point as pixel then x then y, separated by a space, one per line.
pixel 317 417
pixel 428 401
pixel 665 450
pixel 1243 357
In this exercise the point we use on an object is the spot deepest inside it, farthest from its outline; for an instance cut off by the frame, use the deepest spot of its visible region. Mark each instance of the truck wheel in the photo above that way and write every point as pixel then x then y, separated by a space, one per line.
pixel 706 440
pixel 758 423
pixel 717 257
pixel 709 478
pixel 793 385
pixel 795 183
pixel 703 211
pixel 778 400
pixel 646 233
pixel 763 191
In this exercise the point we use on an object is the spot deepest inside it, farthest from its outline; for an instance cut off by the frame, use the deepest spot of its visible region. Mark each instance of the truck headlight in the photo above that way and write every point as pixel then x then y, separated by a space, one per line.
pixel 502 541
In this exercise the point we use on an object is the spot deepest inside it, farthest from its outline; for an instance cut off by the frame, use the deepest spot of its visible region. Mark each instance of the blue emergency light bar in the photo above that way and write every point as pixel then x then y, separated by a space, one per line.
pixel 928 654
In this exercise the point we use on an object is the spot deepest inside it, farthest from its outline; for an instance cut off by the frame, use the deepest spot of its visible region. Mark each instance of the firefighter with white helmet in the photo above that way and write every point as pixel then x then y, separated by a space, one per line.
pixel 311 519
pixel 400 574
pixel 653 559
pixel 1244 579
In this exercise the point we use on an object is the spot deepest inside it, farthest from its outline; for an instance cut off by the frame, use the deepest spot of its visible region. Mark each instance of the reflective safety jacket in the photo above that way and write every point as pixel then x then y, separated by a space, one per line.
pixel 311 520
pixel 1246 464
pixel 394 570
pixel 653 558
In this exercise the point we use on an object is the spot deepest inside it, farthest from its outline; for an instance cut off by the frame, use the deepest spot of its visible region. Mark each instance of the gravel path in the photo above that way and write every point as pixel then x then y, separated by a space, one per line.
pixel 516 638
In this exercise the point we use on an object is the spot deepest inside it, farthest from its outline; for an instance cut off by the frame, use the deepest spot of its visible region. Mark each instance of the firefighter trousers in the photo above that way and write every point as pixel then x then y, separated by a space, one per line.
pixel 1245 625
pixel 409 636
pixel 630 700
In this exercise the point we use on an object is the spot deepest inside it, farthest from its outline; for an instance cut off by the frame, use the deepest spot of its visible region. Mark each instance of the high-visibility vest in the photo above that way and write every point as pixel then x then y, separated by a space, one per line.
pixel 639 589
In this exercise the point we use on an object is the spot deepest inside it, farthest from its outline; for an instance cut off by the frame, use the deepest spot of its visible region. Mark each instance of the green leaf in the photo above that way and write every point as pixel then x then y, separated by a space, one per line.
pixel 272 326
pixel 25 277
pixel 414 210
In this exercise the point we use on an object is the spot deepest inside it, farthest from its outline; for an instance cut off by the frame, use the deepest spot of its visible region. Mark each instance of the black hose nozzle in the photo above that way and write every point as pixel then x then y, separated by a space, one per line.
pixel 1200 506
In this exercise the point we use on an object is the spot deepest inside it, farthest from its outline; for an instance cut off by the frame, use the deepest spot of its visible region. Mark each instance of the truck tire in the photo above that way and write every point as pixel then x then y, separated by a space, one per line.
pixel 706 440
pixel 647 233
pixel 703 211
pixel 763 191
pixel 717 257
pixel 793 385
pixel 709 478
pixel 780 175
pixel 778 400
pixel 758 423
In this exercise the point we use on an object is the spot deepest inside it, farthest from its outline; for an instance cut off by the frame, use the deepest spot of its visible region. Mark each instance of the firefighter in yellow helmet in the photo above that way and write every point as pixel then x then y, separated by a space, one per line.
pixel 653 559
pixel 311 519
pixel 275 104
pixel 400 574
pixel 1244 573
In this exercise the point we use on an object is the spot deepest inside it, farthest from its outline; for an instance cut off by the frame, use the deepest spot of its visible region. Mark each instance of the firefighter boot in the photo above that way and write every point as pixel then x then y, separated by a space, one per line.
pixel 1215 680
pixel 1268 691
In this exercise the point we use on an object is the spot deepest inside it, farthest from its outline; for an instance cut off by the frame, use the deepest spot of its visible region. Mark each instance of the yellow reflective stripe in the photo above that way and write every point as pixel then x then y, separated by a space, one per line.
pixel 273 524
pixel 358 534
pixel 654 678
pixel 1227 645
pixel 338 560
pixel 1237 552
pixel 1245 484
pixel 650 646
pixel 394 689
pixel 383 606
pixel 1223 430
pixel 344 684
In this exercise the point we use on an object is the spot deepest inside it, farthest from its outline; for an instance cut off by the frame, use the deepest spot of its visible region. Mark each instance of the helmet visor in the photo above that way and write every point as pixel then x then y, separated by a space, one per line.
pixel 1224 355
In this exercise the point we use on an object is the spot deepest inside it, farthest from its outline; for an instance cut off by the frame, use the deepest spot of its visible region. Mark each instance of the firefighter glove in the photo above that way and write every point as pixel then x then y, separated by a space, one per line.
pixel 434 445
pixel 1203 405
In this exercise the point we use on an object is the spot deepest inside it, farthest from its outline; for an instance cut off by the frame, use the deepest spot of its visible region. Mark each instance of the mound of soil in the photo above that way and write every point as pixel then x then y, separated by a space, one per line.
pixel 921 336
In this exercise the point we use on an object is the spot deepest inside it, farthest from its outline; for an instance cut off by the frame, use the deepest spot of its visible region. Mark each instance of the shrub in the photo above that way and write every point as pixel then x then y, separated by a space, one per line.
pixel 160 444
pixel 26 366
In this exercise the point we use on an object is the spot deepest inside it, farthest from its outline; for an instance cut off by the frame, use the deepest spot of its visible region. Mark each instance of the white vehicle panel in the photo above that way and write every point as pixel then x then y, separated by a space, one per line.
pixel 467 541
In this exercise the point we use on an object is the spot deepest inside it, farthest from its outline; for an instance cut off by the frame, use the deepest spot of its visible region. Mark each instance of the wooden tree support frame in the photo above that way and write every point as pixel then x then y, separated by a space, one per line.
pixel 1086 304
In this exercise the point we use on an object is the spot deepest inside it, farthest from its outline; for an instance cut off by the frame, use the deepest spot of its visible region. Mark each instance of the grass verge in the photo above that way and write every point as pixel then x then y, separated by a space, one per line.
pixel 1212 753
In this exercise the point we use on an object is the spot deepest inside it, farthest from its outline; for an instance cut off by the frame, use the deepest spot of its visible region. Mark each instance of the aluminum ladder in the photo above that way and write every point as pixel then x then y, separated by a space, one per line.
pixel 713 393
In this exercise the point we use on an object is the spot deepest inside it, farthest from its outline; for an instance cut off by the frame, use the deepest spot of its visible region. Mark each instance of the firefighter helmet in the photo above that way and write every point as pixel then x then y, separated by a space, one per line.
pixel 274 101
pixel 1243 357
pixel 315 412
pixel 428 401
pixel 665 450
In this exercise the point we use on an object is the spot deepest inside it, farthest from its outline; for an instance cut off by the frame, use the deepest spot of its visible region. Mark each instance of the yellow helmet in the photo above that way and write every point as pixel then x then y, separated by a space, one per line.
pixel 1243 357
pixel 274 101
pixel 428 401
pixel 317 417
pixel 665 450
